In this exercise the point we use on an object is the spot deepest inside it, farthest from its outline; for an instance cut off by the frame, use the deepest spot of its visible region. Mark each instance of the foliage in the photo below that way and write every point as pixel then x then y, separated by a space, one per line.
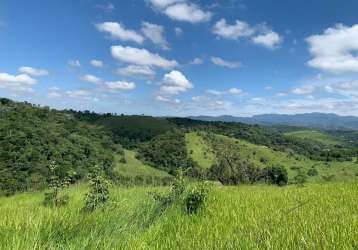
pixel 98 194
pixel 31 135
pixel 312 172
pixel 54 197
pixel 167 152
pixel 196 196
pixel 276 175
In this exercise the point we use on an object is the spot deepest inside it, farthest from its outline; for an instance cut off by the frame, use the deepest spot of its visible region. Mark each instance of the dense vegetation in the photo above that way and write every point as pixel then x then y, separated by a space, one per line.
pixel 31 137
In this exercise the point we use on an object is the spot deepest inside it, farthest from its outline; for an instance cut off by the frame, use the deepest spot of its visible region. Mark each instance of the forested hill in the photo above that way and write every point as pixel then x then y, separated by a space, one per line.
pixel 310 120
pixel 32 136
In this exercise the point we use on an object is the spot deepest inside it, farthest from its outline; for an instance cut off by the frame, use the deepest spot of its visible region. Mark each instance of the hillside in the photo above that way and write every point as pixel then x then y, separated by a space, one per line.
pixel 309 120
pixel 31 137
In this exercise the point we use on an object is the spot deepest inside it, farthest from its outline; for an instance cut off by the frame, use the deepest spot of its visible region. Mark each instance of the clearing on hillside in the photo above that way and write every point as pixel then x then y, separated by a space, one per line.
pixel 199 150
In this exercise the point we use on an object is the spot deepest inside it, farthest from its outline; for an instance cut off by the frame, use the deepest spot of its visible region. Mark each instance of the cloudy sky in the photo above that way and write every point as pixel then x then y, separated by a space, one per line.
pixel 182 57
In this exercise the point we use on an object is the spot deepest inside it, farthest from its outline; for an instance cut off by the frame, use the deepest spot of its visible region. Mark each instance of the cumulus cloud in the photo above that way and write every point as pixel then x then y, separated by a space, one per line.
pixel 155 33
pixel 178 31
pixel 197 61
pixel 187 12
pixel 78 93
pixel 22 82
pixel 136 71
pixel 120 85
pixel 304 90
pixel 221 62
pixel 335 50
pixel 174 83
pixel 269 39
pixel 235 91
pixel 33 71
pixel 181 10
pixel 260 35
pixel 346 88
pixel 74 63
pixel 96 63
pixel 91 79
pixel 140 57
pixel 233 31
pixel 167 99
pixel 109 7
pixel 214 92
pixel 118 31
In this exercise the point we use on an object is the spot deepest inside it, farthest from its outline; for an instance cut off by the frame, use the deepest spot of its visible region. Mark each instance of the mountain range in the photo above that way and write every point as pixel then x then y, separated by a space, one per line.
pixel 326 121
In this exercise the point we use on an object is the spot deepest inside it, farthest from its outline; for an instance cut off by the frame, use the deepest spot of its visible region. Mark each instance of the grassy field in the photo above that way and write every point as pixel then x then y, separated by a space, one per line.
pixel 317 136
pixel 263 156
pixel 199 150
pixel 244 217
pixel 134 167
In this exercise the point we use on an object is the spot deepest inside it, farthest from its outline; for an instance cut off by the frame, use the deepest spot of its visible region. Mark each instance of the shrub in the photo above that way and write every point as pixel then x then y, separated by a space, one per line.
pixel 196 197
pixel 277 175
pixel 98 194
pixel 312 172
pixel 54 197
pixel 300 178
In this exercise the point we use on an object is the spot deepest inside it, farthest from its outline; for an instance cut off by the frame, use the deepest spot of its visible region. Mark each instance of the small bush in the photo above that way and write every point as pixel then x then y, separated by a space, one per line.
pixel 54 197
pixel 98 194
pixel 196 196
pixel 276 175
pixel 123 160
pixel 300 178
pixel 312 172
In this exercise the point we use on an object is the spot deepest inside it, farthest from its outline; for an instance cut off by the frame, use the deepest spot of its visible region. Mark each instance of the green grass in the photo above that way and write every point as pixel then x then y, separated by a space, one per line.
pixel 134 167
pixel 317 136
pixel 200 151
pixel 263 156
pixel 245 217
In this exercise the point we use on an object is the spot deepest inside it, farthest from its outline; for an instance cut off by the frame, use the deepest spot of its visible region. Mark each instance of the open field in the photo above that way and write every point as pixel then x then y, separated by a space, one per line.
pixel 245 217
pixel 199 150
pixel 263 156
pixel 317 136
pixel 133 167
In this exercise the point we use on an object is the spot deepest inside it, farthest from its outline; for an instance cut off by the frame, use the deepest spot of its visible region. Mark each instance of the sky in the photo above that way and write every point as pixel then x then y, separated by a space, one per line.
pixel 181 57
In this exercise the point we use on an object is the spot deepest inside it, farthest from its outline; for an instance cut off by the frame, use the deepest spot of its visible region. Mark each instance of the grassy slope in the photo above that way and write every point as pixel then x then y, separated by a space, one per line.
pixel 134 167
pixel 317 136
pixel 198 147
pixel 343 171
pixel 245 217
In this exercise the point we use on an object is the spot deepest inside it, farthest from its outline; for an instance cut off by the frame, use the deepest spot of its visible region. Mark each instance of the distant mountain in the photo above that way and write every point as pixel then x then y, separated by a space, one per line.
pixel 310 120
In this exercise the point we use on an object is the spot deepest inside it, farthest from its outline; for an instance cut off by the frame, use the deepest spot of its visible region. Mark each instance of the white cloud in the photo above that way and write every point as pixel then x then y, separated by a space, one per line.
pixel 221 62
pixel 214 92
pixel 268 88
pixel 178 31
pixel 304 90
pixel 347 88
pixel 167 99
pixel 197 61
pixel 235 91
pixel 160 4
pixel 74 63
pixel 78 93
pixel 121 85
pixel 335 50
pixel 96 63
pixel 187 12
pixel 235 31
pixel 20 82
pixel 54 94
pixel 91 78
pixel 33 71
pixel 118 31
pixel 174 83
pixel 269 39
pixel 155 33
pixel 136 71
pixel 140 57
pixel 109 7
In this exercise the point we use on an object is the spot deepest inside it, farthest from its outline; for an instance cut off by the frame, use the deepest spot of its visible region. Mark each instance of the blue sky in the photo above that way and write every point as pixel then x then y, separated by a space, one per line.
pixel 182 57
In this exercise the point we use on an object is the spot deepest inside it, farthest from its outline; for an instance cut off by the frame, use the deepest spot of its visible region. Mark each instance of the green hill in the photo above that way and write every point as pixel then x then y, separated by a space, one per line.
pixel 317 136
pixel 132 167
pixel 199 151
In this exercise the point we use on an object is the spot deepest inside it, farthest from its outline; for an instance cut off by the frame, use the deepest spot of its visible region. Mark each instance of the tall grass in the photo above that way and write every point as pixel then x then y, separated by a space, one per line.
pixel 245 217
